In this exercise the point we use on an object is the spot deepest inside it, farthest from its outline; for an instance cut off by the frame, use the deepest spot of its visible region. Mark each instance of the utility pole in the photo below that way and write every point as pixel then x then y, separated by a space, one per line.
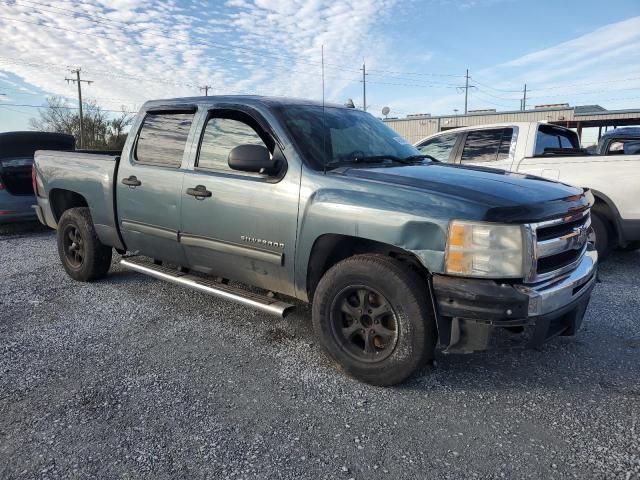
pixel 206 89
pixel 466 90
pixel 364 86
pixel 524 98
pixel 79 82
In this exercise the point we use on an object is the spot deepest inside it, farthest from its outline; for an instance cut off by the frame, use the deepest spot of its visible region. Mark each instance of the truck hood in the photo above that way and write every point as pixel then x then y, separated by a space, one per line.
pixel 508 196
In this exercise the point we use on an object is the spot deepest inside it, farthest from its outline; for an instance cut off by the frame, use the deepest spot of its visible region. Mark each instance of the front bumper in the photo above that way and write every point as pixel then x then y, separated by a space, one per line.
pixel 471 311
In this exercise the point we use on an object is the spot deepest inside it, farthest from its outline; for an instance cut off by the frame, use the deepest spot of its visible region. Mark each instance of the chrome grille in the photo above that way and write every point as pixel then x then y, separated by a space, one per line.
pixel 556 246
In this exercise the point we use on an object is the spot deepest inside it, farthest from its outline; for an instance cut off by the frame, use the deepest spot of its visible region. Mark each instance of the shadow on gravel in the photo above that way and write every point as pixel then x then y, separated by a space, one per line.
pixel 22 228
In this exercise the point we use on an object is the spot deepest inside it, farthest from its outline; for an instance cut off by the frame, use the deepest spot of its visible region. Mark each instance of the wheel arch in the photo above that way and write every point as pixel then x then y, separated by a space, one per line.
pixel 62 200
pixel 605 206
pixel 330 248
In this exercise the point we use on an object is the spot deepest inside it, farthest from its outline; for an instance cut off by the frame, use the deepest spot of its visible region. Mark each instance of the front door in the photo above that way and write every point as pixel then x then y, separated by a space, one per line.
pixel 243 226
pixel 150 184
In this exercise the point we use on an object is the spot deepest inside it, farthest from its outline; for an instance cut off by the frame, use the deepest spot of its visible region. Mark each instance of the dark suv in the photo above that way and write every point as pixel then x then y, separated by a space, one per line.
pixel 16 158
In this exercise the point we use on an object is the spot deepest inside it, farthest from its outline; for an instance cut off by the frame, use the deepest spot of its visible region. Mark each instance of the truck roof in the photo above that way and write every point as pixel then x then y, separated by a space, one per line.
pixel 241 99
pixel 622 132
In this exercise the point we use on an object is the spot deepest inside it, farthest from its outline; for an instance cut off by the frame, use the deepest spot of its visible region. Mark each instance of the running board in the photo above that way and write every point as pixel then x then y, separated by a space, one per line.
pixel 255 300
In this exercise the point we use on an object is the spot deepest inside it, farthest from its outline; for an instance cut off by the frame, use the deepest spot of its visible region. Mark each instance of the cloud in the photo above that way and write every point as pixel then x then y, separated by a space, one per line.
pixel 601 66
pixel 134 50
pixel 599 43
pixel 595 67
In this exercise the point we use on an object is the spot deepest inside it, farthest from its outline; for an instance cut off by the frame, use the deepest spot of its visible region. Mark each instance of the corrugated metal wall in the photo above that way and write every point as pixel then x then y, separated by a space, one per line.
pixel 414 129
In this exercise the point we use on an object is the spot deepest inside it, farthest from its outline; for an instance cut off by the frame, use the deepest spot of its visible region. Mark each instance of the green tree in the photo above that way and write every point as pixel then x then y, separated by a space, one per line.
pixel 101 132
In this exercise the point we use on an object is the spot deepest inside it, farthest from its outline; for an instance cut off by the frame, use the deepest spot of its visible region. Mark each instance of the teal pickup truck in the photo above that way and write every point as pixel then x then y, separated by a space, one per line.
pixel 395 251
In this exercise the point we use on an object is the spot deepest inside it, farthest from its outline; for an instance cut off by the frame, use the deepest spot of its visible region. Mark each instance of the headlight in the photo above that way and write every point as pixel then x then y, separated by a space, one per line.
pixel 491 250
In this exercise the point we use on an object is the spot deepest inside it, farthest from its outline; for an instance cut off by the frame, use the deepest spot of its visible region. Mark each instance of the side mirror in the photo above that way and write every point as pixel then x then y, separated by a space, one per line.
pixel 250 158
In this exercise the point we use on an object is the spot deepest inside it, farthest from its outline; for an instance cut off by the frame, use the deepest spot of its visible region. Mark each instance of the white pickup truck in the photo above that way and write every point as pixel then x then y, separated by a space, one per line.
pixel 553 152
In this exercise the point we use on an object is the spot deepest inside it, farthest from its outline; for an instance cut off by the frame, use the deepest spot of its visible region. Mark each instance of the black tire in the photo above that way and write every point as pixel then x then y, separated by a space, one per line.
pixel 82 254
pixel 364 346
pixel 602 235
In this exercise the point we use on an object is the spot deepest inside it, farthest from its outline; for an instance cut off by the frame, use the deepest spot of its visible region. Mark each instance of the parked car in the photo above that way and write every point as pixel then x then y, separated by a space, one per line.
pixel 620 141
pixel 330 206
pixel 551 151
pixel 16 158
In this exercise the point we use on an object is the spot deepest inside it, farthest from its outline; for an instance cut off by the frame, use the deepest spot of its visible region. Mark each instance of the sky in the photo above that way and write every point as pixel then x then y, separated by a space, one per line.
pixel 416 52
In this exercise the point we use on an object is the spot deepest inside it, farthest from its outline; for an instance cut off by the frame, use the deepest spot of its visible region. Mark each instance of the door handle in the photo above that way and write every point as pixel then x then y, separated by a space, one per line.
pixel 199 191
pixel 132 181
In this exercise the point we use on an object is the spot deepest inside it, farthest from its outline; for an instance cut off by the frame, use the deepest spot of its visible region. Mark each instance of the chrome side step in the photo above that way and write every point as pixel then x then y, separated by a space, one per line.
pixel 260 302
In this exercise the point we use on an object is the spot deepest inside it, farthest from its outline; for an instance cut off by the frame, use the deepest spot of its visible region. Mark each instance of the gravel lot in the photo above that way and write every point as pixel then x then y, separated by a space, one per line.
pixel 133 378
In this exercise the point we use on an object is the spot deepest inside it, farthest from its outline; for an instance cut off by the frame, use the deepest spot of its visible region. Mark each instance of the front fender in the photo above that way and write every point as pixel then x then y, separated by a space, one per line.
pixel 372 217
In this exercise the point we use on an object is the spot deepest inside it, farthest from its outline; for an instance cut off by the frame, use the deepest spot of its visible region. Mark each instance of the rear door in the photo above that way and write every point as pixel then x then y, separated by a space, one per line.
pixel 150 184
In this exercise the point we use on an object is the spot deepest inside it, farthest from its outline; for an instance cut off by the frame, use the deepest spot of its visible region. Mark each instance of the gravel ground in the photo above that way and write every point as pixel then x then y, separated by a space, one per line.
pixel 133 378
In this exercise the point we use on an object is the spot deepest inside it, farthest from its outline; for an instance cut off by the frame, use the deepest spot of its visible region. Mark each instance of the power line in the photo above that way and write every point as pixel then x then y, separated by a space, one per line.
pixel 418 85
pixel 491 102
pixel 475 78
pixel 235 60
pixel 230 47
pixel 114 74
pixel 426 74
pixel 59 106
pixel 592 92
pixel 559 86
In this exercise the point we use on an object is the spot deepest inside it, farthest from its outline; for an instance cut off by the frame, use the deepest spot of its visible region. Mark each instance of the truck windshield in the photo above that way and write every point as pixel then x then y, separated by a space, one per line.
pixel 343 136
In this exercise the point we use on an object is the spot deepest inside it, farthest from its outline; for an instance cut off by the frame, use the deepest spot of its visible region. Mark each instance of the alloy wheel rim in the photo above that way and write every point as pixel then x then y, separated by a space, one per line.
pixel 364 324
pixel 74 246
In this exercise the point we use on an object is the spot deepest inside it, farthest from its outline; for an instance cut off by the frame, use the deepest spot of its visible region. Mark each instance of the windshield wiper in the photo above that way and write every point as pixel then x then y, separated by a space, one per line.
pixel 380 159
pixel 422 156
pixel 405 160
pixel 355 161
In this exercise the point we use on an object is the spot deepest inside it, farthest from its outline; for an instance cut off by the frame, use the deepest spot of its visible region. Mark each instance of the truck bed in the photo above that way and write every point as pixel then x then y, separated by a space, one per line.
pixel 90 175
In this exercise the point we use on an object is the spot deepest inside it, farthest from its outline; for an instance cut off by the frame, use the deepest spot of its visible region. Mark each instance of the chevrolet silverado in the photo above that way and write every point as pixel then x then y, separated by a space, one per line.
pixel 326 204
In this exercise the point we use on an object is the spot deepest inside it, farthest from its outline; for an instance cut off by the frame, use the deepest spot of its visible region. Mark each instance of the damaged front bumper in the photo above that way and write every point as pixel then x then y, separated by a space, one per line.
pixel 470 312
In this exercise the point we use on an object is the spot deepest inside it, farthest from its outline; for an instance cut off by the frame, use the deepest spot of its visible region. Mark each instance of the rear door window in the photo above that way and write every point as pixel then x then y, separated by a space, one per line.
pixel 162 139
pixel 550 137
pixel 487 145
pixel 441 148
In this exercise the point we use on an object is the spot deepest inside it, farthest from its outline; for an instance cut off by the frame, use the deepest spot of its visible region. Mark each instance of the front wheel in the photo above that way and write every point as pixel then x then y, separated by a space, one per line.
pixel 83 256
pixel 601 235
pixel 372 315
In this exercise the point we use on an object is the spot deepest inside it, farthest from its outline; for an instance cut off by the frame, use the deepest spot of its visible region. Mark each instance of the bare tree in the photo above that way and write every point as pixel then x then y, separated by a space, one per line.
pixel 100 131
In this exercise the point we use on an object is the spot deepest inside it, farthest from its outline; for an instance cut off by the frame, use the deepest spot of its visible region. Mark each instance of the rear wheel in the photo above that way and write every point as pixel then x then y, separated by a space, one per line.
pixel 373 317
pixel 83 256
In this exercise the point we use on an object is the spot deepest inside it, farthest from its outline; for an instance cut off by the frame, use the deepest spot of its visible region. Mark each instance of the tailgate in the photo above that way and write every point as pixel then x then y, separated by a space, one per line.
pixel 15 175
